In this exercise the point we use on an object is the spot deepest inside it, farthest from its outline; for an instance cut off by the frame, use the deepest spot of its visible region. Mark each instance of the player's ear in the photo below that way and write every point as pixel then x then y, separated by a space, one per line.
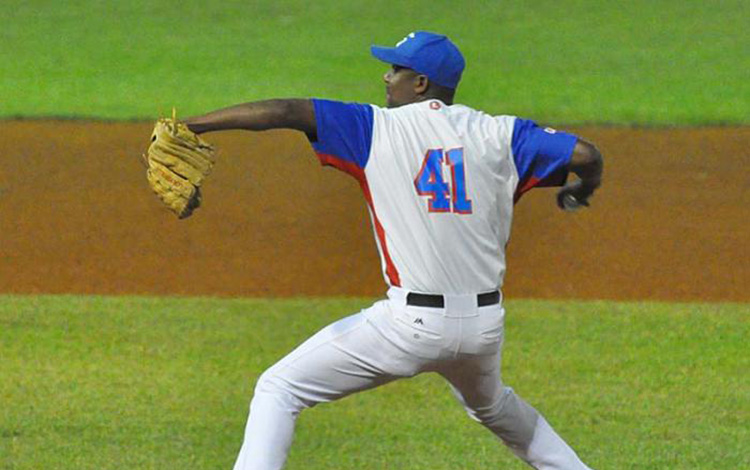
pixel 421 84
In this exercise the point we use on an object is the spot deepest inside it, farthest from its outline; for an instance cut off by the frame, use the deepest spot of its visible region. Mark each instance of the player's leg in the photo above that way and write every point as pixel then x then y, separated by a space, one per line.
pixel 348 356
pixel 475 380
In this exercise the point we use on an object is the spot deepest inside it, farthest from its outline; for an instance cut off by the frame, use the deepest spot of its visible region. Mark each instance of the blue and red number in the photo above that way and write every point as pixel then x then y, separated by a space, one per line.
pixel 430 182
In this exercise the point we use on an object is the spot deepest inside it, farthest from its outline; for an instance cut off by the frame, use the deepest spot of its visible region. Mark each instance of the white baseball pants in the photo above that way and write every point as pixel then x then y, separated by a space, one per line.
pixel 389 341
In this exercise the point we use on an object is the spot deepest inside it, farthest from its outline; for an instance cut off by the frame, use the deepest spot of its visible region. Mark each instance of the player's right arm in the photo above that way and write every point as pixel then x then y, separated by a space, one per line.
pixel 296 114
pixel 544 157
pixel 587 163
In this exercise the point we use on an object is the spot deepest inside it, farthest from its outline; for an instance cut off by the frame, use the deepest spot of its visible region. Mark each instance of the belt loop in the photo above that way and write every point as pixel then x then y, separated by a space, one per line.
pixel 465 303
pixel 397 295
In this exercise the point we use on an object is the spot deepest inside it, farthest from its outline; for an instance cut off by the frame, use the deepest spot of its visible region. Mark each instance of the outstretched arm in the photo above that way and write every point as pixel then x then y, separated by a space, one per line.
pixel 296 114
pixel 587 163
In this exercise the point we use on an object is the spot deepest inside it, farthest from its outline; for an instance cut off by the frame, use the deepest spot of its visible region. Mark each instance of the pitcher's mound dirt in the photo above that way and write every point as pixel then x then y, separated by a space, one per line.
pixel 76 216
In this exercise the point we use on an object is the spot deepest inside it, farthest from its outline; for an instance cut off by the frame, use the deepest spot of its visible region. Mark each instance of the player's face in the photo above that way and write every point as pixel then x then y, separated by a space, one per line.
pixel 400 86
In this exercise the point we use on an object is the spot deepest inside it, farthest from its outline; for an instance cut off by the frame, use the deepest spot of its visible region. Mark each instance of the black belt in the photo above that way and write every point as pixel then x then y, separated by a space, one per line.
pixel 437 301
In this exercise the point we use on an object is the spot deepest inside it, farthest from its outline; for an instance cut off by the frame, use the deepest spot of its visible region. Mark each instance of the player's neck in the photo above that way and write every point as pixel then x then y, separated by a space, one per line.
pixel 446 98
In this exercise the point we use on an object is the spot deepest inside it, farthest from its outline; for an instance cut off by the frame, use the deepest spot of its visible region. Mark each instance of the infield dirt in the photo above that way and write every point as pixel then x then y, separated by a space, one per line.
pixel 76 216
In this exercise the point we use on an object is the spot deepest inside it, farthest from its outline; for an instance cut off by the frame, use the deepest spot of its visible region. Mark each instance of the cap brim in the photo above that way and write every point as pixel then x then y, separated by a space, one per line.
pixel 389 56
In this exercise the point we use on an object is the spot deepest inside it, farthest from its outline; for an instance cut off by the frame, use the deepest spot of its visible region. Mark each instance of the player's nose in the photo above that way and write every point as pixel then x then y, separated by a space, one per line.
pixel 387 76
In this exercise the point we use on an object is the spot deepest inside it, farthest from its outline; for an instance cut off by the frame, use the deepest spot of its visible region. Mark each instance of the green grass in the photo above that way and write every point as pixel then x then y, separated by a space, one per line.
pixel 665 62
pixel 142 383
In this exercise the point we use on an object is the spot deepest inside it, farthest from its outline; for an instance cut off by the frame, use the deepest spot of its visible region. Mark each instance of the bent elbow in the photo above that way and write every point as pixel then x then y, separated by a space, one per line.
pixel 588 154
pixel 587 162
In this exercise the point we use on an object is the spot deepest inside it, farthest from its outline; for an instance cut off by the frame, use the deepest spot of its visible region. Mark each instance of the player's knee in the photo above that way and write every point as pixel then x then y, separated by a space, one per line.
pixel 271 384
pixel 482 414
pixel 492 410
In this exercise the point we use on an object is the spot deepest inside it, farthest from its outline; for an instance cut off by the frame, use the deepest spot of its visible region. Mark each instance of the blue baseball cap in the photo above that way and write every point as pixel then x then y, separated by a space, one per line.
pixel 428 53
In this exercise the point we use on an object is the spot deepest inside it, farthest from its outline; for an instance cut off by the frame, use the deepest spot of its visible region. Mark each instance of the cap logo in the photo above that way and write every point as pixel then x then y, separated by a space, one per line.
pixel 409 36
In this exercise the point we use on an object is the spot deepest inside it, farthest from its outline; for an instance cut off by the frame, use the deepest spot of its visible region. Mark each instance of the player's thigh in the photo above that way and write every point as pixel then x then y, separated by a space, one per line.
pixel 475 380
pixel 347 356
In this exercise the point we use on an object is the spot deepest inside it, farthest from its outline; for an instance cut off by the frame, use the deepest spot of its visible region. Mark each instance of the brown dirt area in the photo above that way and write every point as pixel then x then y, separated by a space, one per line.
pixel 76 216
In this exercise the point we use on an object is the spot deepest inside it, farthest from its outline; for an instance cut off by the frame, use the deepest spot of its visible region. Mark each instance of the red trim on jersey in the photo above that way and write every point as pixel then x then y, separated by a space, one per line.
pixel 358 173
pixel 523 188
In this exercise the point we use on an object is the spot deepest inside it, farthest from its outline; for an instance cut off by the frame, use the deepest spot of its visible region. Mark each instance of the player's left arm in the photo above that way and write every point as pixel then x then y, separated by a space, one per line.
pixel 340 133
pixel 178 160
pixel 296 114
pixel 587 164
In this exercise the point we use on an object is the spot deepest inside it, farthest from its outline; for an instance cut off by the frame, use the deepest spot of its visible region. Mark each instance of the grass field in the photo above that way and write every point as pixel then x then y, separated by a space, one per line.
pixel 148 383
pixel 666 62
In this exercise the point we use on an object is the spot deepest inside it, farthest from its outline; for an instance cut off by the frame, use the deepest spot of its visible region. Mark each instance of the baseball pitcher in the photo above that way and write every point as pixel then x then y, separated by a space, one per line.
pixel 440 180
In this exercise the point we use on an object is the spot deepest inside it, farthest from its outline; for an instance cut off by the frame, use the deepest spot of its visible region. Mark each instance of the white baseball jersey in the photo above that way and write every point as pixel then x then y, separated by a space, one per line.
pixel 440 182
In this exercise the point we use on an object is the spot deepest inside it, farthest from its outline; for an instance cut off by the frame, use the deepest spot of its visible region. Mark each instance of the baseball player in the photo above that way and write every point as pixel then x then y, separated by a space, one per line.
pixel 440 180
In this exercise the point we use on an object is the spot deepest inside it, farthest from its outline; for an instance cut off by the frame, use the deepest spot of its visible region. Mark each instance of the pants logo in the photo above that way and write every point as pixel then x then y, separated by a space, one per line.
pixel 418 321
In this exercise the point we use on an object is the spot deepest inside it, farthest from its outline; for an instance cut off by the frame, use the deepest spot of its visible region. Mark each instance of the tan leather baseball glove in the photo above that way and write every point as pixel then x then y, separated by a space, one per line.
pixel 178 160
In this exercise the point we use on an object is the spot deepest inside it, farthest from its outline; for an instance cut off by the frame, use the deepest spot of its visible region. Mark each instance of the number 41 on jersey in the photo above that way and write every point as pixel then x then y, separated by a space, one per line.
pixel 430 182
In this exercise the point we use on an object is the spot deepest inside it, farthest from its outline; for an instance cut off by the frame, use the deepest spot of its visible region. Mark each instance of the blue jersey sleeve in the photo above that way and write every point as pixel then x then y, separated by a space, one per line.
pixel 344 134
pixel 541 155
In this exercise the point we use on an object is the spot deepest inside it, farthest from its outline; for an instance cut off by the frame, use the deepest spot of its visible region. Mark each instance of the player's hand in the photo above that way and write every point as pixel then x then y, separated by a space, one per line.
pixel 574 195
